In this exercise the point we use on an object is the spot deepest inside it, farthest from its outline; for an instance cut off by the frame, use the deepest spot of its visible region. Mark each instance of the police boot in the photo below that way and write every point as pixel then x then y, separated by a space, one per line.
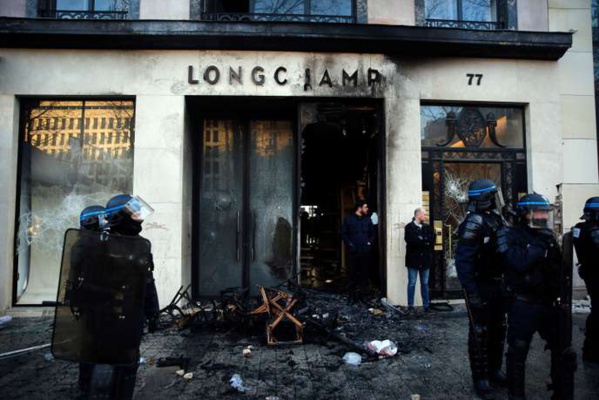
pixel 498 378
pixel 515 366
pixel 483 390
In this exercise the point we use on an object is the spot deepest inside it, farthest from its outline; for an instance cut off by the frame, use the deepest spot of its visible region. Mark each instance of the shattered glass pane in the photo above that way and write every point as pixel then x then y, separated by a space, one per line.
pixel 73 154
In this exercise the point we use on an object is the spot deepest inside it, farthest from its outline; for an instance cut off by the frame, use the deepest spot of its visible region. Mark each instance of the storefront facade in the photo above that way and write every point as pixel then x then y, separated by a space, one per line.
pixel 230 140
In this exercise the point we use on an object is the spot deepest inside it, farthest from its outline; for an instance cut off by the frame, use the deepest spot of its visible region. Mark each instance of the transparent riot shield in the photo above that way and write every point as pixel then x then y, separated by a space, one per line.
pixel 99 312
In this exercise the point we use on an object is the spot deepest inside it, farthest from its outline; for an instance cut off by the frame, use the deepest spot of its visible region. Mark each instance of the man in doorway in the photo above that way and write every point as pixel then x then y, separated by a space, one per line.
pixel 357 232
pixel 419 239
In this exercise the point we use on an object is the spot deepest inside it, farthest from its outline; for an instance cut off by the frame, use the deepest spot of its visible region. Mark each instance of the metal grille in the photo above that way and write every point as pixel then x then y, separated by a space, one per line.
pixel 76 14
pixel 450 23
pixel 230 17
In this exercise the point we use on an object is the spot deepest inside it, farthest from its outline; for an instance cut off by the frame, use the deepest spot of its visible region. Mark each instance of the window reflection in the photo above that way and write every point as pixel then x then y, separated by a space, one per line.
pixel 73 154
pixel 303 7
pixel 509 130
pixel 461 10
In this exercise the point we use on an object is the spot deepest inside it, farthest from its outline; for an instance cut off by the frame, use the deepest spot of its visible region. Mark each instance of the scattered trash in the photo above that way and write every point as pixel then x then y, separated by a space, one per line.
pixel 142 360
pixel 352 358
pixel 582 306
pixel 390 307
pixel 272 398
pixel 23 351
pixel 180 372
pixel 376 311
pixel 383 348
pixel 49 357
pixel 329 281
pixel 415 397
pixel 247 352
pixel 181 362
pixel 237 383
pixel 188 376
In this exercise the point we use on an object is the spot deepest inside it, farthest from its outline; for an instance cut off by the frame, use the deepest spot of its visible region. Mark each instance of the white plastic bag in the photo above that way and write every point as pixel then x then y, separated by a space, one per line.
pixel 383 348
pixel 237 383
pixel 352 358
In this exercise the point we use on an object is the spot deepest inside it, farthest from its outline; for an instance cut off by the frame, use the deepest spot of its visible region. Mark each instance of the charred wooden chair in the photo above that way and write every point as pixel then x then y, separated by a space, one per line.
pixel 279 306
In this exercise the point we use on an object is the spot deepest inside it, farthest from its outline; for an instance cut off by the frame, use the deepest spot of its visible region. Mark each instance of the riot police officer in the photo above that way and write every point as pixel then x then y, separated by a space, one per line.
pixel 125 215
pixel 586 242
pixel 532 257
pixel 106 292
pixel 481 274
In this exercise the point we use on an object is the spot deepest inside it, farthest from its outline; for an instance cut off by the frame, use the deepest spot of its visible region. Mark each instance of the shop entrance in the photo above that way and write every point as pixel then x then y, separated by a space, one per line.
pixel 274 179
pixel 340 164
pixel 246 201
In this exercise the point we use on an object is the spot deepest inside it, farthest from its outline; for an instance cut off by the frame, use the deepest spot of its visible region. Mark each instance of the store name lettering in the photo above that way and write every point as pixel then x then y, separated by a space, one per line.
pixel 258 76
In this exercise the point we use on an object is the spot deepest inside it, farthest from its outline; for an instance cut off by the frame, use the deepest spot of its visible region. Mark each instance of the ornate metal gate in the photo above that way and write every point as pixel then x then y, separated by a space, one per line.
pixel 473 147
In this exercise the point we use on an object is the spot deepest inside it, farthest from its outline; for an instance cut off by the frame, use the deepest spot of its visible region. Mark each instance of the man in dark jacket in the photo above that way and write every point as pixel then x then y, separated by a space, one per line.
pixel 357 232
pixel 419 239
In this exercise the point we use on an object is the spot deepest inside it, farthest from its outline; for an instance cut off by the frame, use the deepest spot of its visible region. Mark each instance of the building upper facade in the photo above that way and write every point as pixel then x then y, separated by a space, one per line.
pixel 504 28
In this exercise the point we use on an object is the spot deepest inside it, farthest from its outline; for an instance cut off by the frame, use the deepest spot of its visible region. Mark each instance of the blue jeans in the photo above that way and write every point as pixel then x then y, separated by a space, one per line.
pixel 412 275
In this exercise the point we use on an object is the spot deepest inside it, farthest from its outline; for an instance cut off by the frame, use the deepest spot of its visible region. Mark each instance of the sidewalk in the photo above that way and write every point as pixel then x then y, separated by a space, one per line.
pixel 432 362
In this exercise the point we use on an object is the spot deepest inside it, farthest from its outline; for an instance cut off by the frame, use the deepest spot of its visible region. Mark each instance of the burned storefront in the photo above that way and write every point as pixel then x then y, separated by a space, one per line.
pixel 252 139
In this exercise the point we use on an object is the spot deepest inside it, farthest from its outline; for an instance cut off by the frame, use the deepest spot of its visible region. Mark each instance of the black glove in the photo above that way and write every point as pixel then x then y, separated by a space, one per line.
pixel 545 238
pixel 502 242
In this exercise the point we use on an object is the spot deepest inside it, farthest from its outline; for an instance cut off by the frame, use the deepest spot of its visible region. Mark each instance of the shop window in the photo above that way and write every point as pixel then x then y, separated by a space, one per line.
pixel 472 127
pixel 84 9
pixel 474 14
pixel 58 178
pixel 343 11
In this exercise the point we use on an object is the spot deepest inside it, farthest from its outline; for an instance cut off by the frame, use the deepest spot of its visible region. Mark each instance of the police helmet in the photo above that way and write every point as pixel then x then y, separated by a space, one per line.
pixel 92 218
pixel 482 195
pixel 124 207
pixel 536 210
pixel 591 209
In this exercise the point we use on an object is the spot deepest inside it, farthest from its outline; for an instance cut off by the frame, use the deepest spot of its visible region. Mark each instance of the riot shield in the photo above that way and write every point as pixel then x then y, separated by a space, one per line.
pixel 99 312
pixel 565 357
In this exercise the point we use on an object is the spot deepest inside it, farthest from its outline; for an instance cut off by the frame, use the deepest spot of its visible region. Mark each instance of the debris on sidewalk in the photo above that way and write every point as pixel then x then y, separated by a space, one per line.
pixel 237 383
pixel 352 358
pixel 582 306
pixel 383 348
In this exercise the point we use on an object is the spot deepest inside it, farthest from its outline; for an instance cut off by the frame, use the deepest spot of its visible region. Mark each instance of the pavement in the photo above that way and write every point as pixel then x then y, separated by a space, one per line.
pixel 431 360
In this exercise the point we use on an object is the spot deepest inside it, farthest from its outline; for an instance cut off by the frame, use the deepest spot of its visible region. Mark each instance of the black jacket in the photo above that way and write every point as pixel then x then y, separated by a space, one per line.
pixel 357 233
pixel 476 259
pixel 419 245
pixel 532 263
pixel 586 243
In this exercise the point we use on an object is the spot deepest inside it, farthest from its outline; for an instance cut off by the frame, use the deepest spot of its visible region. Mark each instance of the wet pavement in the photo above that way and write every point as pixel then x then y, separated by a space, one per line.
pixel 431 360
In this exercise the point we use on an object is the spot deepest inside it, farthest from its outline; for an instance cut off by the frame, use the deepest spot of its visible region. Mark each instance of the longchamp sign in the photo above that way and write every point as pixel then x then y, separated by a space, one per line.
pixel 259 76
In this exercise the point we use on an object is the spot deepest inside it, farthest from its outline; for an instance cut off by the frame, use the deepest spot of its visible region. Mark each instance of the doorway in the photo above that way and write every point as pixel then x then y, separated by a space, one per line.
pixel 340 164
pixel 274 179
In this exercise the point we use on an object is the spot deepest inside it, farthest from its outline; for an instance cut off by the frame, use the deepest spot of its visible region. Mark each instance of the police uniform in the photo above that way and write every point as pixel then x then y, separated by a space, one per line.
pixel 481 274
pixel 586 242
pixel 532 258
